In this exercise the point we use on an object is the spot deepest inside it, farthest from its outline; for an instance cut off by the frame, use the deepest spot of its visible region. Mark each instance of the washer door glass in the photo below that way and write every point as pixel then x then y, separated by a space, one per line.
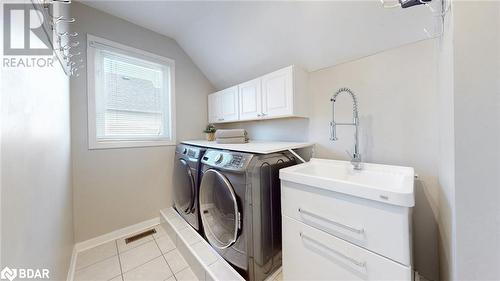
pixel 184 192
pixel 219 209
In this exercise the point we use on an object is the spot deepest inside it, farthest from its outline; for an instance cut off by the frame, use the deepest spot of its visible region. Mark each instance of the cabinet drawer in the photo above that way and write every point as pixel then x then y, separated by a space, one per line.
pixel 311 254
pixel 378 227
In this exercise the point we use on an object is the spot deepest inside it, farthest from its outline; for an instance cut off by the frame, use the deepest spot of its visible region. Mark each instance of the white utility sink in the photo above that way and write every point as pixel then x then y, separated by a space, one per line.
pixel 383 183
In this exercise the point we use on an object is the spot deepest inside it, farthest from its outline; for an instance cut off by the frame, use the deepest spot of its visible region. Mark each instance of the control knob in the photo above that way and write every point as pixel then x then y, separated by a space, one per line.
pixel 219 158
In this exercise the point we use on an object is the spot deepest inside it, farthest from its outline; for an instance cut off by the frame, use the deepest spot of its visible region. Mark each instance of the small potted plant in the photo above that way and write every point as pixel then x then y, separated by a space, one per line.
pixel 210 132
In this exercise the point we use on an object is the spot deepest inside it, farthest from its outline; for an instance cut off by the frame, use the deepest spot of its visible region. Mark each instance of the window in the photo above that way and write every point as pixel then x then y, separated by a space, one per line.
pixel 130 96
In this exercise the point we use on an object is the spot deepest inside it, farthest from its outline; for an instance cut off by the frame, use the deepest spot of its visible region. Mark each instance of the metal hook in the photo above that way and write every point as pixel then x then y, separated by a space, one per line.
pixel 69 34
pixel 63 19
pixel 74 70
pixel 64 48
pixel 75 62
pixel 60 35
pixel 74 73
pixel 69 46
pixel 69 55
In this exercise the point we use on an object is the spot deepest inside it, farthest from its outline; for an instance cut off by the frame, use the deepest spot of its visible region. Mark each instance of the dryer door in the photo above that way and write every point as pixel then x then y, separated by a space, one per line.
pixel 184 187
pixel 219 209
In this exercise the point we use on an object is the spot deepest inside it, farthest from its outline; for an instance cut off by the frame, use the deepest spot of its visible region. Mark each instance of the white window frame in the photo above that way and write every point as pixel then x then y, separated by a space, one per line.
pixel 91 95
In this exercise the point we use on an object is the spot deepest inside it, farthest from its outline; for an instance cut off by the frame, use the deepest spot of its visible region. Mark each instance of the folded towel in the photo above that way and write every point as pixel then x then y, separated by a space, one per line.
pixel 232 133
pixel 231 140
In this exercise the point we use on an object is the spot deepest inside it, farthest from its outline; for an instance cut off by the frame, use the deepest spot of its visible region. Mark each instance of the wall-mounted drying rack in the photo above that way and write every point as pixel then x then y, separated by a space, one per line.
pixel 64 42
pixel 444 9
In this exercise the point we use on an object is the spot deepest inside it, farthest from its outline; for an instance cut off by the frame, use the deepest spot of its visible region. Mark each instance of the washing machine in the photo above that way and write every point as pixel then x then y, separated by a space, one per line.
pixel 186 183
pixel 240 209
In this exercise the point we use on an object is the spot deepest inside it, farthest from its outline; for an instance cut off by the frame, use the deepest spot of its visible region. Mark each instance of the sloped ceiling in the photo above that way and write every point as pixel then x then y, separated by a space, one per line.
pixel 232 42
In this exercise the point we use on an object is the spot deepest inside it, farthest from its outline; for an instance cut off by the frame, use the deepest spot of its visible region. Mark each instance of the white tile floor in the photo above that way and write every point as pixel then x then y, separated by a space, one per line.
pixel 148 259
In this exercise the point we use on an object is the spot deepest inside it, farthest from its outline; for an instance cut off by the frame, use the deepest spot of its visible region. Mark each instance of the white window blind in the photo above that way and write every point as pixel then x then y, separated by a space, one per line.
pixel 132 97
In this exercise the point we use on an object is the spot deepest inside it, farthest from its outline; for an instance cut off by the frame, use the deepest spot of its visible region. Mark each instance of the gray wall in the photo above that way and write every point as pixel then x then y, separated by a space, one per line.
pixel 36 207
pixel 477 139
pixel 446 160
pixel 114 188
pixel 398 126
pixel 469 156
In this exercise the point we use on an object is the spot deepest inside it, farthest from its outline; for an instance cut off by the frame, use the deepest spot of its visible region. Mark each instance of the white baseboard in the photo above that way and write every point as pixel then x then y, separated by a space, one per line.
pixel 99 240
pixel 96 241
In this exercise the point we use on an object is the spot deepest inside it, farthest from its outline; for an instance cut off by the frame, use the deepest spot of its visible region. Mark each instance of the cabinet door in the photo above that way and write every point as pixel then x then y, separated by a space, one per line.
pixel 250 99
pixel 213 108
pixel 228 104
pixel 277 93
pixel 311 254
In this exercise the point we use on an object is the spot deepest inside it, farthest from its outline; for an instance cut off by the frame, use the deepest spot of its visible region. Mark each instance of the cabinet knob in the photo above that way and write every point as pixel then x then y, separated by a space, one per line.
pixel 259 115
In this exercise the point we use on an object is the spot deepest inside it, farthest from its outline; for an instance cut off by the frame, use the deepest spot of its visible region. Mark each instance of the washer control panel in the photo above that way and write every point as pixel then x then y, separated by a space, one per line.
pixel 228 160
pixel 192 152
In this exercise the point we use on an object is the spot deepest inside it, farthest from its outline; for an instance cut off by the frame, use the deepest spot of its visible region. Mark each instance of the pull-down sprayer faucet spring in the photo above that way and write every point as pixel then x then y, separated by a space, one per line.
pixel 356 156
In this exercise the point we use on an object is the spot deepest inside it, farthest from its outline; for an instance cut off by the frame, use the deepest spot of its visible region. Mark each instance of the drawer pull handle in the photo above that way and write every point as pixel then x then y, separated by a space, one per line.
pixel 354 261
pixel 350 228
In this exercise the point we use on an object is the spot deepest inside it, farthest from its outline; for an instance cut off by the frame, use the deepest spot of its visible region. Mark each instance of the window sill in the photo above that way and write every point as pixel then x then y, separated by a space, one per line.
pixel 129 144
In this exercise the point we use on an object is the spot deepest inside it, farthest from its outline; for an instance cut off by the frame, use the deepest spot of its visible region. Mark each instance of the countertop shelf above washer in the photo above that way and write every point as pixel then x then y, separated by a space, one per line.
pixel 259 147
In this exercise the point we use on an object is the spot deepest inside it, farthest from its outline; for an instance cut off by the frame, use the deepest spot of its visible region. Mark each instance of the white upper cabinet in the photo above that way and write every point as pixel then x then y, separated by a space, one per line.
pixel 229 104
pixel 223 106
pixel 213 108
pixel 250 100
pixel 281 93
pixel 277 93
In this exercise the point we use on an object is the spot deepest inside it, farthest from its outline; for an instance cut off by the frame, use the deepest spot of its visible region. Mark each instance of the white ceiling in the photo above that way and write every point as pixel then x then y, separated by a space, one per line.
pixel 232 42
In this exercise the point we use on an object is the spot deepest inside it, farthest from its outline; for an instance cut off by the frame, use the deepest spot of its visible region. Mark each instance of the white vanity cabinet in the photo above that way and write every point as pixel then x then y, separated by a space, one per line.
pixel 378 227
pixel 330 236
pixel 342 224
pixel 279 94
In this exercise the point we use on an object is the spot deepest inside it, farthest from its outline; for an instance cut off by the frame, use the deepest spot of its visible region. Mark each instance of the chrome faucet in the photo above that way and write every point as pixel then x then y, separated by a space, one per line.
pixel 356 156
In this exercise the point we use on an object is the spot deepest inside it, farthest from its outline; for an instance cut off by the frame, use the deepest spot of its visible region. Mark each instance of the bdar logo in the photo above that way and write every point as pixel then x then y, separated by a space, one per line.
pixel 8 273
pixel 24 273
